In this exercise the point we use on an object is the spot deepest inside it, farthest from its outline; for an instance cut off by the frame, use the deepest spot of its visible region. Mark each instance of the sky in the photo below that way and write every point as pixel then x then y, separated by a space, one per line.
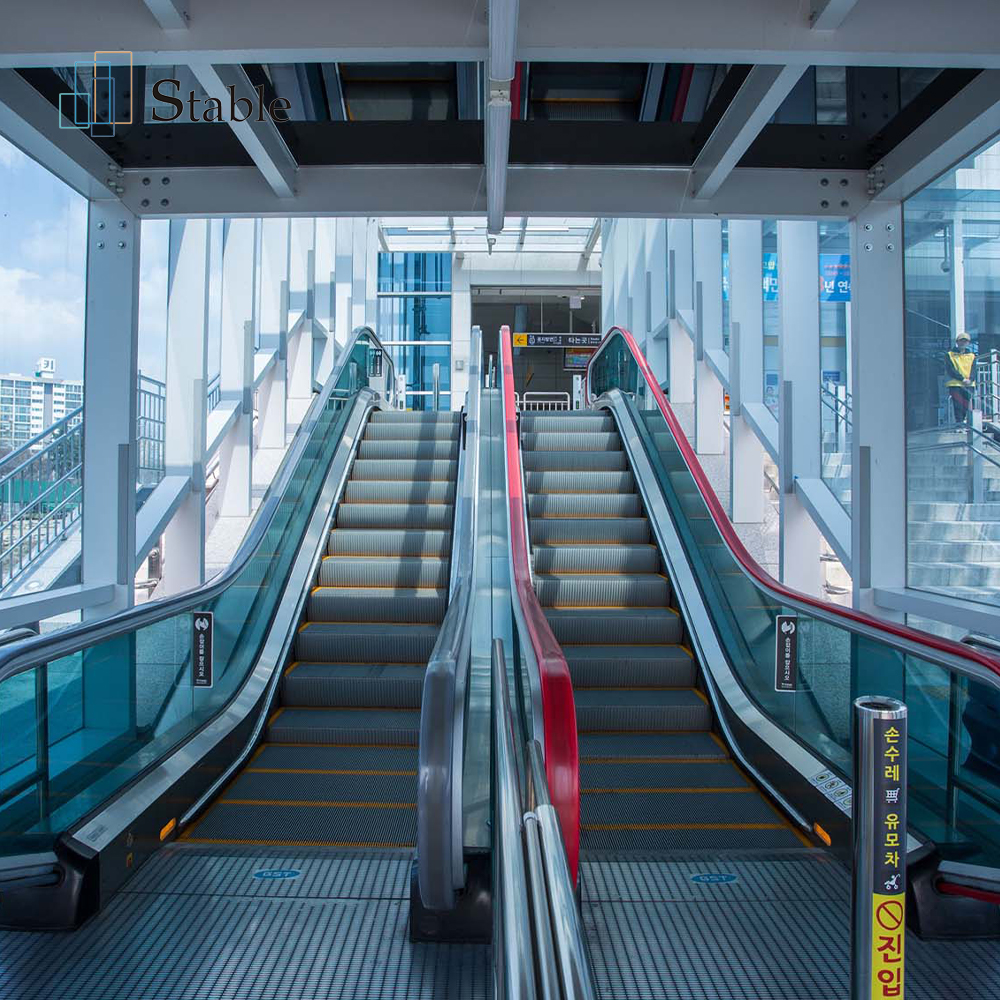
pixel 43 236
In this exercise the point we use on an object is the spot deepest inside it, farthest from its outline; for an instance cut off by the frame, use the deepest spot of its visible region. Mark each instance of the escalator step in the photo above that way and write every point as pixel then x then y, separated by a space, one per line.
pixel 657 746
pixel 635 666
pixel 579 482
pixel 592 627
pixel 584 505
pixel 278 789
pixel 589 531
pixel 395 515
pixel 400 727
pixel 596 559
pixel 389 542
pixel 415 417
pixel 599 838
pixel 413 430
pixel 575 461
pixel 375 685
pixel 571 441
pixel 360 642
pixel 410 470
pixel 588 422
pixel 297 757
pixel 408 449
pixel 399 491
pixel 387 571
pixel 307 826
pixel 708 773
pixel 377 604
pixel 596 590
pixel 740 807
pixel 641 710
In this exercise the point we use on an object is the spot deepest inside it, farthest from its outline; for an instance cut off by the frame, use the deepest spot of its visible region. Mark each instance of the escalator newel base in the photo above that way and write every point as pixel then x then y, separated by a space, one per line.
pixel 471 921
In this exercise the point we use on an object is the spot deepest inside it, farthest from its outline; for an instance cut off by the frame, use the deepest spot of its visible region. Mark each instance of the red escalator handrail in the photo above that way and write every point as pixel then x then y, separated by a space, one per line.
pixel 747 561
pixel 558 708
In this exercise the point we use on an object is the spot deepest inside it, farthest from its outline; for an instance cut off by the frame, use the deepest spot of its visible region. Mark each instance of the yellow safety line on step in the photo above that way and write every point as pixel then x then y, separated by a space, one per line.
pixel 305 803
pixel 325 770
pixel 727 789
pixel 298 843
pixel 681 826
pixel 655 760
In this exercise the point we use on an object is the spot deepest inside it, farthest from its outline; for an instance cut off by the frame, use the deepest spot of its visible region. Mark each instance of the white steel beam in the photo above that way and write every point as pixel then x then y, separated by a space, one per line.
pixel 828 15
pixel 547 192
pixel 753 106
pixel 886 33
pixel 171 15
pixel 30 122
pixel 969 119
pixel 261 139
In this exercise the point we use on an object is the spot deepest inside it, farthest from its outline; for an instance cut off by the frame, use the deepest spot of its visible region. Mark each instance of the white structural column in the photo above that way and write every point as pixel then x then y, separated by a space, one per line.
pixel 878 445
pixel 236 374
pixel 709 402
pixel 957 277
pixel 187 374
pixel 461 331
pixel 680 290
pixel 324 298
pixel 798 417
pixel 656 258
pixel 109 401
pixel 344 282
pixel 271 398
pixel 746 364
pixel 300 338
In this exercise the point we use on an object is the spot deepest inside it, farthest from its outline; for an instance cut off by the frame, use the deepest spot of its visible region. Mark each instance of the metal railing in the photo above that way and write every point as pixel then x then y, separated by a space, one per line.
pixel 213 394
pixel 150 429
pixel 836 420
pixel 542 401
pixel 988 385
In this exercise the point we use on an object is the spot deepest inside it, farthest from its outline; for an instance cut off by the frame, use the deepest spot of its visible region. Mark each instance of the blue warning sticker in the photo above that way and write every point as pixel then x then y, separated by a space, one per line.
pixel 715 878
pixel 277 873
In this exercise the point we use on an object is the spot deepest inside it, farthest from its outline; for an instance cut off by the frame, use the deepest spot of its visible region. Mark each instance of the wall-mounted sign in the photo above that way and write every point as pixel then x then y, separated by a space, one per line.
pixel 202 629
pixel 835 277
pixel 786 648
pixel 375 363
pixel 577 358
pixel 557 339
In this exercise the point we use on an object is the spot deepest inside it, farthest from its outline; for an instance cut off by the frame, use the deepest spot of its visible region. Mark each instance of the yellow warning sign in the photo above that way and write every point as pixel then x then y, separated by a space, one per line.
pixel 888 941
pixel 520 340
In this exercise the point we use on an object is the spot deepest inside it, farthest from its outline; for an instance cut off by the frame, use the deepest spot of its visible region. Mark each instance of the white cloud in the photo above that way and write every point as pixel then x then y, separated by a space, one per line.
pixel 10 156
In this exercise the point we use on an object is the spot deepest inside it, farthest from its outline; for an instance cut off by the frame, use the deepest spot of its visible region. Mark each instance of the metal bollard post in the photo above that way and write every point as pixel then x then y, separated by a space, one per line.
pixel 878 918
pixel 436 375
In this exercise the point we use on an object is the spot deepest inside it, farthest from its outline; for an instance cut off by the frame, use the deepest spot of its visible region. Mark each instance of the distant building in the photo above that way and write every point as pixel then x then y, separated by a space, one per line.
pixel 31 403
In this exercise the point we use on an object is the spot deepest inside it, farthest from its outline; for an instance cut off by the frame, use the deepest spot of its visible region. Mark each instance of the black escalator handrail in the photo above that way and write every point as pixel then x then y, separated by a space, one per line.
pixel 29 653
pixel 440 848
pixel 943 652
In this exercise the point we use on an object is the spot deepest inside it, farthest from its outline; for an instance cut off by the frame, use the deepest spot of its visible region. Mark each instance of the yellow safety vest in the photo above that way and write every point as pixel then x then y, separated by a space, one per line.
pixel 961 363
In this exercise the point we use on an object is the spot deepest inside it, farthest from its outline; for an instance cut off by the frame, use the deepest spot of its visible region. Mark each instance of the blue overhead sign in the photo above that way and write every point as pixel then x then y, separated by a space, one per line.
pixel 835 277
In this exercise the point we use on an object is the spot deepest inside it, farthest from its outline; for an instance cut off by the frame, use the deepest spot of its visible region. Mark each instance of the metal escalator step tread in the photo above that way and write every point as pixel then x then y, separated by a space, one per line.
pixel 557 483
pixel 705 774
pixel 374 685
pixel 377 604
pixel 412 430
pixel 416 416
pixel 577 559
pixel 365 642
pixel 673 666
pixel 593 626
pixel 298 757
pixel 389 542
pixel 650 746
pixel 584 505
pixel 589 530
pixel 679 809
pixel 345 725
pixel 587 422
pixel 395 515
pixel 575 461
pixel 409 449
pixel 278 789
pixel 571 441
pixel 409 470
pixel 307 826
pixel 383 571
pixel 416 491
pixel 703 838
pixel 640 710
pixel 595 590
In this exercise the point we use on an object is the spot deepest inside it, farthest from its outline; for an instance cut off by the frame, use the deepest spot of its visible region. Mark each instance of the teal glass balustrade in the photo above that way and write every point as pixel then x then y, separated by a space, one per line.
pixel 75 729
pixel 954 746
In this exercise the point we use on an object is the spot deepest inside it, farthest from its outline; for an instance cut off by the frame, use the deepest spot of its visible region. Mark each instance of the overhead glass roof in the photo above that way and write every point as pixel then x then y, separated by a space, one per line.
pixel 520 233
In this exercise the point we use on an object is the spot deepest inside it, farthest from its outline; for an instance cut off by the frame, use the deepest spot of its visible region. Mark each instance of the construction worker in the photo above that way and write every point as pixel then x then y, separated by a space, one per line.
pixel 960 365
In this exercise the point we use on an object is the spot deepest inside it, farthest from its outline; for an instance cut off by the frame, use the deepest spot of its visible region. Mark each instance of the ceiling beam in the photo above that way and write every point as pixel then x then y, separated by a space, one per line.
pixel 970 119
pixel 261 140
pixel 828 15
pixel 752 107
pixel 592 237
pixel 652 91
pixel 32 124
pixel 501 67
pixel 171 15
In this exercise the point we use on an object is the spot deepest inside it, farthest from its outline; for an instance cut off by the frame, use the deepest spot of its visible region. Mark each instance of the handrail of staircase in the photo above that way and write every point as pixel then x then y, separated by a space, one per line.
pixel 945 652
pixel 554 687
pixel 29 653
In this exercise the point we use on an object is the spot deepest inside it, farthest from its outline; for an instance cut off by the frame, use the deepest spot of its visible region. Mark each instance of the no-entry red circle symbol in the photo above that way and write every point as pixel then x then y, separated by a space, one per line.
pixel 889 915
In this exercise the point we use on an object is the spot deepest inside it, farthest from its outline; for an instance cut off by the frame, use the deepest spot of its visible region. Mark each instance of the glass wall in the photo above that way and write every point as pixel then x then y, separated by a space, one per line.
pixel 772 319
pixel 414 321
pixel 952 330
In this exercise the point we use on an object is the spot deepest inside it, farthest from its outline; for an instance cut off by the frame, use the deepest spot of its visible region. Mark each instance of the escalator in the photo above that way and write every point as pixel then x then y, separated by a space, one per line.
pixel 338 764
pixel 654 776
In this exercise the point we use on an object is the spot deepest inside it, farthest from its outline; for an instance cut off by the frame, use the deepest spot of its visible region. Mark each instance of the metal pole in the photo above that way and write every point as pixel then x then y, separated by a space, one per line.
pixel 878 919
pixel 436 376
